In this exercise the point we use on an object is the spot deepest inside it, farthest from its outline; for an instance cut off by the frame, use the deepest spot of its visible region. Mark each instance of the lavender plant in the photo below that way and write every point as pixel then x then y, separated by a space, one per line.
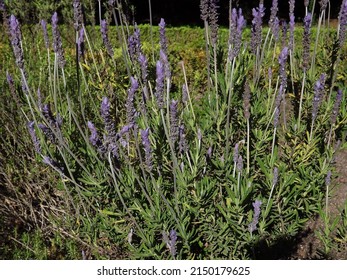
pixel 151 164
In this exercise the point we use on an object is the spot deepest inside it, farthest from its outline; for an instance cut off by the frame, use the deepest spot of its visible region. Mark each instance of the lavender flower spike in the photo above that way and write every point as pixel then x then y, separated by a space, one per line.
pixel 274 11
pixel 163 40
pixel 183 146
pixel 45 33
pixel 57 43
pixel 130 109
pixel 336 108
pixel 106 116
pixel 343 23
pixel 306 42
pixel 291 32
pixel 159 90
pixel 258 14
pixel 236 26
pixel 253 225
pixel 104 33
pixel 174 131
pixel 318 95
pixel 2 6
pixel 213 21
pixel 239 165
pixel 164 60
pixel 170 241
pixel 204 9
pixel 47 113
pixel 147 147
pixel 134 44
pixel 95 139
pixel 34 138
pixel 173 239
pixel 144 67
pixel 236 153
pixel 78 16
pixel 80 43
pixel 323 5
pixel 275 178
pixel 282 59
pixel 16 41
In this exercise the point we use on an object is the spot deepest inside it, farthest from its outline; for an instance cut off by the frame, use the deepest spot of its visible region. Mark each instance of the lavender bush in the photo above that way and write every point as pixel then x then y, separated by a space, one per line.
pixel 213 171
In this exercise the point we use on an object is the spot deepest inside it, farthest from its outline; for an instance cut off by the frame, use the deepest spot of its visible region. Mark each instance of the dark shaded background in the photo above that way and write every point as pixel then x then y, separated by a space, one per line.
pixel 187 12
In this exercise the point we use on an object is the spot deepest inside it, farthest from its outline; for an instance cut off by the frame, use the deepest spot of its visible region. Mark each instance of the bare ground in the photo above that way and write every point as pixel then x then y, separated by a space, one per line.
pixel 310 245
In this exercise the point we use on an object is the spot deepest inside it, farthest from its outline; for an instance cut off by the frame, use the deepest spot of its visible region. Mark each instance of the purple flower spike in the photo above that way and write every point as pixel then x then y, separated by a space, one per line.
pixel 184 94
pixel 258 14
pixel 130 108
pixel 78 15
pixel 80 43
pixel 183 146
pixel 237 25
pixel 213 21
pixel 173 240
pixel 104 33
pixel 343 23
pixel 106 116
pixel 125 129
pixel 204 9
pixel 239 165
pixel 2 6
pixel 209 152
pixel 147 147
pixel 45 33
pixel 159 90
pixel 110 137
pixel 34 137
pixel 13 89
pixel 236 153
pixel 134 44
pixel 57 43
pixel 170 241
pixel 291 7
pixel 291 31
pixel 275 28
pixel 282 60
pixel 47 113
pixel 48 133
pixel 275 178
pixel 16 39
pixel 95 139
pixel 318 95
pixel 174 130
pixel 306 42
pixel 144 67
pixel 164 60
pixel 162 34
pixel 274 11
pixel 336 108
pixel 253 225
pixel 276 116
pixel 323 4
